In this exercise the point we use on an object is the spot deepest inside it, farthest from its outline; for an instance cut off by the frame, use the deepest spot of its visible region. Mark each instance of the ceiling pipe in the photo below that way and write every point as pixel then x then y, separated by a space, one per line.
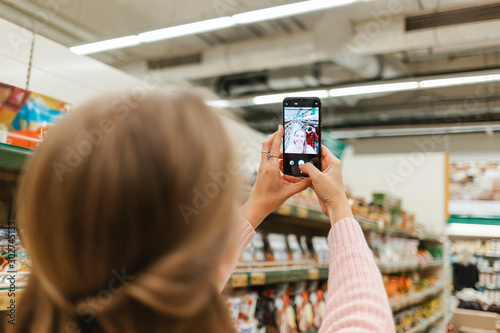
pixel 322 44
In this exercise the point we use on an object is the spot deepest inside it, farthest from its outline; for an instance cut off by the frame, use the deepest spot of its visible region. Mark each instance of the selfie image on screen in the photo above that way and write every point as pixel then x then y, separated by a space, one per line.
pixel 301 130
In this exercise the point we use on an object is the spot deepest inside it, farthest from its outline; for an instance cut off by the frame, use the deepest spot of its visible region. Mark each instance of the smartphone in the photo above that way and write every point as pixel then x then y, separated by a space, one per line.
pixel 302 138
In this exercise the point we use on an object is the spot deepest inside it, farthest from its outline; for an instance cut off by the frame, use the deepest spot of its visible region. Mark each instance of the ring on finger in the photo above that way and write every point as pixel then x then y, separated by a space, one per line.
pixel 269 155
pixel 264 151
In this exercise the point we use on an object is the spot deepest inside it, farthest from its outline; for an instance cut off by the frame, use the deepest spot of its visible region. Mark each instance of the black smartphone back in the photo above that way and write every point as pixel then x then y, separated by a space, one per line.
pixel 302 138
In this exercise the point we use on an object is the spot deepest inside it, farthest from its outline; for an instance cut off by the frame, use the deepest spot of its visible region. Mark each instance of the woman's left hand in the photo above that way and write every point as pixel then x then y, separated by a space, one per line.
pixel 270 189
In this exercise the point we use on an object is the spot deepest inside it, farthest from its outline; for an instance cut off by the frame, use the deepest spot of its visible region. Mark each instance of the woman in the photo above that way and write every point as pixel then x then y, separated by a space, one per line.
pixel 299 145
pixel 132 230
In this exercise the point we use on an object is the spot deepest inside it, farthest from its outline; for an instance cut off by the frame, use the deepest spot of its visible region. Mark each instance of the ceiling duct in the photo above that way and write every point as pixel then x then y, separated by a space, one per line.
pixel 453 17
pixel 189 59
pixel 322 44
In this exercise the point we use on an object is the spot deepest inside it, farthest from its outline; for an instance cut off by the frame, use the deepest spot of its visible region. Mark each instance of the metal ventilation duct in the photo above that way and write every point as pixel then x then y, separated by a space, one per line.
pixel 452 17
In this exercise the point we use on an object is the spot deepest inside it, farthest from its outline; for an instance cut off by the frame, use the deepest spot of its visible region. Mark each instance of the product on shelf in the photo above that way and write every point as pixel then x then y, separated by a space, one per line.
pixel 394 250
pixel 258 247
pixel 318 302
pixel 416 316
pixel 294 247
pixel 17 256
pixel 305 249
pixel 398 286
pixel 320 250
pixel 278 247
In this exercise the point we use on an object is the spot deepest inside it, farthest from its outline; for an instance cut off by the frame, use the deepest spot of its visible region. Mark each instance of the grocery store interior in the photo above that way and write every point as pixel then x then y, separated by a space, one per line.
pixel 410 103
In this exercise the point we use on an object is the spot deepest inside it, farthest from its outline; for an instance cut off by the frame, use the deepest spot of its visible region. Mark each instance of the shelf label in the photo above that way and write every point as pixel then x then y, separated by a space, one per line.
pixel 284 210
pixel 302 212
pixel 257 279
pixel 314 274
pixel 239 280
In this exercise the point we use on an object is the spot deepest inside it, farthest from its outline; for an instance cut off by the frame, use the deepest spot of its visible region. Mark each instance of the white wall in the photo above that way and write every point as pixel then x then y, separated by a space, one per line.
pixel 471 146
pixel 419 179
pixel 56 71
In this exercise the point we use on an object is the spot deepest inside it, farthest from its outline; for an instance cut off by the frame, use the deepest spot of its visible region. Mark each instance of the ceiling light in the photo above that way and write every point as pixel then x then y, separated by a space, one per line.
pixel 374 88
pixel 456 81
pixel 210 25
pixel 219 103
pixel 186 29
pixel 287 10
pixel 106 45
pixel 278 98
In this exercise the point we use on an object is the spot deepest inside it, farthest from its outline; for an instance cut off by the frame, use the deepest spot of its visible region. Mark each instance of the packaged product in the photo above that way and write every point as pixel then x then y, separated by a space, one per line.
pixel 317 299
pixel 320 247
pixel 278 247
pixel 233 304
pixel 286 320
pixel 294 247
pixel 258 248
pixel 305 249
pixel 305 314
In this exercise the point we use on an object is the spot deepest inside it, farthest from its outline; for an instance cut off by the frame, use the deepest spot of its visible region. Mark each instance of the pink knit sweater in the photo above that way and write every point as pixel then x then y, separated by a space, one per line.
pixel 357 302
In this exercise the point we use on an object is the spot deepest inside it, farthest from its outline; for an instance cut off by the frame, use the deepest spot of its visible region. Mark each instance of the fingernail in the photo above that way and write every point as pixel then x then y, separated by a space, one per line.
pixel 279 126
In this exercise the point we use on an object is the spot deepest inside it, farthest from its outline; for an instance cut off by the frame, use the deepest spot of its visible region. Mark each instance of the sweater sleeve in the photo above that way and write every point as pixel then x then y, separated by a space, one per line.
pixel 245 235
pixel 357 301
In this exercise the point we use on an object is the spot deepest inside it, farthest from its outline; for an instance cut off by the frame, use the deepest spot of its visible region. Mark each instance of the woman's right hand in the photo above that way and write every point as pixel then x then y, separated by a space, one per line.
pixel 329 186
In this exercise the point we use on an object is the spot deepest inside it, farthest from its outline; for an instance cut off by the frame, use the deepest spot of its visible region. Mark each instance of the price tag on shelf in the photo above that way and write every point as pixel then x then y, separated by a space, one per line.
pixel 302 213
pixel 313 274
pixel 239 280
pixel 284 210
pixel 257 279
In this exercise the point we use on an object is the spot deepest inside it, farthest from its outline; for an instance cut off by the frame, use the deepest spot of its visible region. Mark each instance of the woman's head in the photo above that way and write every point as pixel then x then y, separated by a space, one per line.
pixel 122 208
pixel 299 138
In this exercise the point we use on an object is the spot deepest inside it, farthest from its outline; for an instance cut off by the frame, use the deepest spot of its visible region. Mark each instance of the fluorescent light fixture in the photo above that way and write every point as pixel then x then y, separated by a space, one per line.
pixel 457 81
pixel 186 29
pixel 374 88
pixel 278 98
pixel 219 103
pixel 287 10
pixel 210 25
pixel 414 131
pixel 106 45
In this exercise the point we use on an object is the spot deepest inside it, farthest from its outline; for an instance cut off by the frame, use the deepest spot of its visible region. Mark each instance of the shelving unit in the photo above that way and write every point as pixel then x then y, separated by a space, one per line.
pixel 13 157
pixel 308 215
pixel 391 269
pixel 365 223
pixel 399 303
pixel 427 323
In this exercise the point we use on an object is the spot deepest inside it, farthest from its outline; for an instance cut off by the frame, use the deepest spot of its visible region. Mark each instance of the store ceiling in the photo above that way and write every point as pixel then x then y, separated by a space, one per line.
pixel 363 42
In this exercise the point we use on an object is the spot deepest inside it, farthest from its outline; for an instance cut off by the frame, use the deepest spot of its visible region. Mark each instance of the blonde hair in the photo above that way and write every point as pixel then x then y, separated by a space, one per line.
pixel 118 210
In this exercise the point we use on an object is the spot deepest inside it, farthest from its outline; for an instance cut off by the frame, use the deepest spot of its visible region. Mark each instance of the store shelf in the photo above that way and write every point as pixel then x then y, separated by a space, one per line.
pixel 5 299
pixel 365 223
pixel 391 269
pixel 397 268
pixel 13 156
pixel 399 303
pixel 427 323
pixel 272 276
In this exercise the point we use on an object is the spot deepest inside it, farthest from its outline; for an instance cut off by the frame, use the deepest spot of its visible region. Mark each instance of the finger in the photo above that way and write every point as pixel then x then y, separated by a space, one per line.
pixel 276 144
pixel 298 187
pixel 292 179
pixel 266 144
pixel 281 166
pixel 327 158
pixel 310 169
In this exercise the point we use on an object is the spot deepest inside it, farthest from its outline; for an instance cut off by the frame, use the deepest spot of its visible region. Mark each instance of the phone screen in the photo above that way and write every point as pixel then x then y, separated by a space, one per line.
pixel 302 138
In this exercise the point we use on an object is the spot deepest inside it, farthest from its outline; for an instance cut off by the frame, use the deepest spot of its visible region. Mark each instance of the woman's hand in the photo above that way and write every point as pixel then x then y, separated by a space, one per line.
pixel 329 186
pixel 270 189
